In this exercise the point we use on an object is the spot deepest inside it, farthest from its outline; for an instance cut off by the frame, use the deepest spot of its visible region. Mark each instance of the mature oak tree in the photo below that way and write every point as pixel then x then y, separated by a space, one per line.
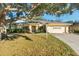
pixel 38 9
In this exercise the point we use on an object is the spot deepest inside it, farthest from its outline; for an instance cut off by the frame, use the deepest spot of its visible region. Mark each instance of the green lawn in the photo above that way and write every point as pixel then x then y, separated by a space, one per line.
pixel 39 45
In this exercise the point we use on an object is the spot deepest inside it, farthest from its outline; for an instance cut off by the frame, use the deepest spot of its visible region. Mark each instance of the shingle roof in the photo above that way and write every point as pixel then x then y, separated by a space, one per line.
pixel 59 23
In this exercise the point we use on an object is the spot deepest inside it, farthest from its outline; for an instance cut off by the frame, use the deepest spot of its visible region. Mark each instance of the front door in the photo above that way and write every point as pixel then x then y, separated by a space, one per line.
pixel 33 28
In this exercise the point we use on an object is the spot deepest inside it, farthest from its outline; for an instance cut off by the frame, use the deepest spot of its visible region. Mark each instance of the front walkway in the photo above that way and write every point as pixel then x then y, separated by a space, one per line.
pixel 71 39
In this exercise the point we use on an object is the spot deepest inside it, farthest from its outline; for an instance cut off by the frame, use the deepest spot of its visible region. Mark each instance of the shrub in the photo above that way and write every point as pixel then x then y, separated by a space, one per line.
pixel 76 31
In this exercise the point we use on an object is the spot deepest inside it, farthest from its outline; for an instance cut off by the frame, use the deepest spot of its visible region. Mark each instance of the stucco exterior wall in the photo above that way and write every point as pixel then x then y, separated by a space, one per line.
pixel 67 29
pixel 57 29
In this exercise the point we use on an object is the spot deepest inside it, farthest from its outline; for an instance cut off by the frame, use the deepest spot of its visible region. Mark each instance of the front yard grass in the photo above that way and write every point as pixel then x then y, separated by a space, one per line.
pixel 40 45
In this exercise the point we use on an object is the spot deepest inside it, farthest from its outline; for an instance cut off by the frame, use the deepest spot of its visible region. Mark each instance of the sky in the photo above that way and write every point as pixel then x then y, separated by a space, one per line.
pixel 65 17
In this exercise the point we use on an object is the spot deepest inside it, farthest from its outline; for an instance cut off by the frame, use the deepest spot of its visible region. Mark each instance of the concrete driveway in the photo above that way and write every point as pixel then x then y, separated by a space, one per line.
pixel 71 39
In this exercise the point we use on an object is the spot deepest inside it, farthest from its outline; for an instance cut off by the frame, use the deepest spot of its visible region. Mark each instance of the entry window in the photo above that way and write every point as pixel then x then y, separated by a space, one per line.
pixel 56 27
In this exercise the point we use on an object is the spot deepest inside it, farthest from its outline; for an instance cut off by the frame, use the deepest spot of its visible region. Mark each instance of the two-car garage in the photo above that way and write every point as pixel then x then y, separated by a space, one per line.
pixel 57 27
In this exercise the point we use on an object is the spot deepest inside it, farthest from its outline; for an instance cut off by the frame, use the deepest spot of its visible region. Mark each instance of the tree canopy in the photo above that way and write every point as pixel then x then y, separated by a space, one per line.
pixel 38 9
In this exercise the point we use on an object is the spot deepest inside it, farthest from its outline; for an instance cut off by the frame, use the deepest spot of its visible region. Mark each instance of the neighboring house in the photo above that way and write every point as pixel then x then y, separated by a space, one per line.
pixel 58 27
pixel 74 27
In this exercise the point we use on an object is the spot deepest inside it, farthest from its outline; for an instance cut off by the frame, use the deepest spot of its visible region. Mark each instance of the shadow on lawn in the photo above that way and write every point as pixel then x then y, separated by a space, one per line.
pixel 26 37
pixel 15 36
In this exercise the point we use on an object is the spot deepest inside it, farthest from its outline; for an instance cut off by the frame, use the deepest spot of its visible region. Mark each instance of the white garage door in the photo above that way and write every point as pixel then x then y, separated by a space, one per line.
pixel 56 29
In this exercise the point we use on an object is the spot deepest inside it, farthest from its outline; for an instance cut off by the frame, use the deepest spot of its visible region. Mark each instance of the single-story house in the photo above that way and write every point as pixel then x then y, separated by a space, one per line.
pixel 33 26
pixel 58 27
pixel 49 27
pixel 30 26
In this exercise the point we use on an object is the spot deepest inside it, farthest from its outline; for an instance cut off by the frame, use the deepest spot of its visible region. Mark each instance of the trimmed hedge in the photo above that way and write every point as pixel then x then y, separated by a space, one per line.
pixel 76 31
pixel 15 30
